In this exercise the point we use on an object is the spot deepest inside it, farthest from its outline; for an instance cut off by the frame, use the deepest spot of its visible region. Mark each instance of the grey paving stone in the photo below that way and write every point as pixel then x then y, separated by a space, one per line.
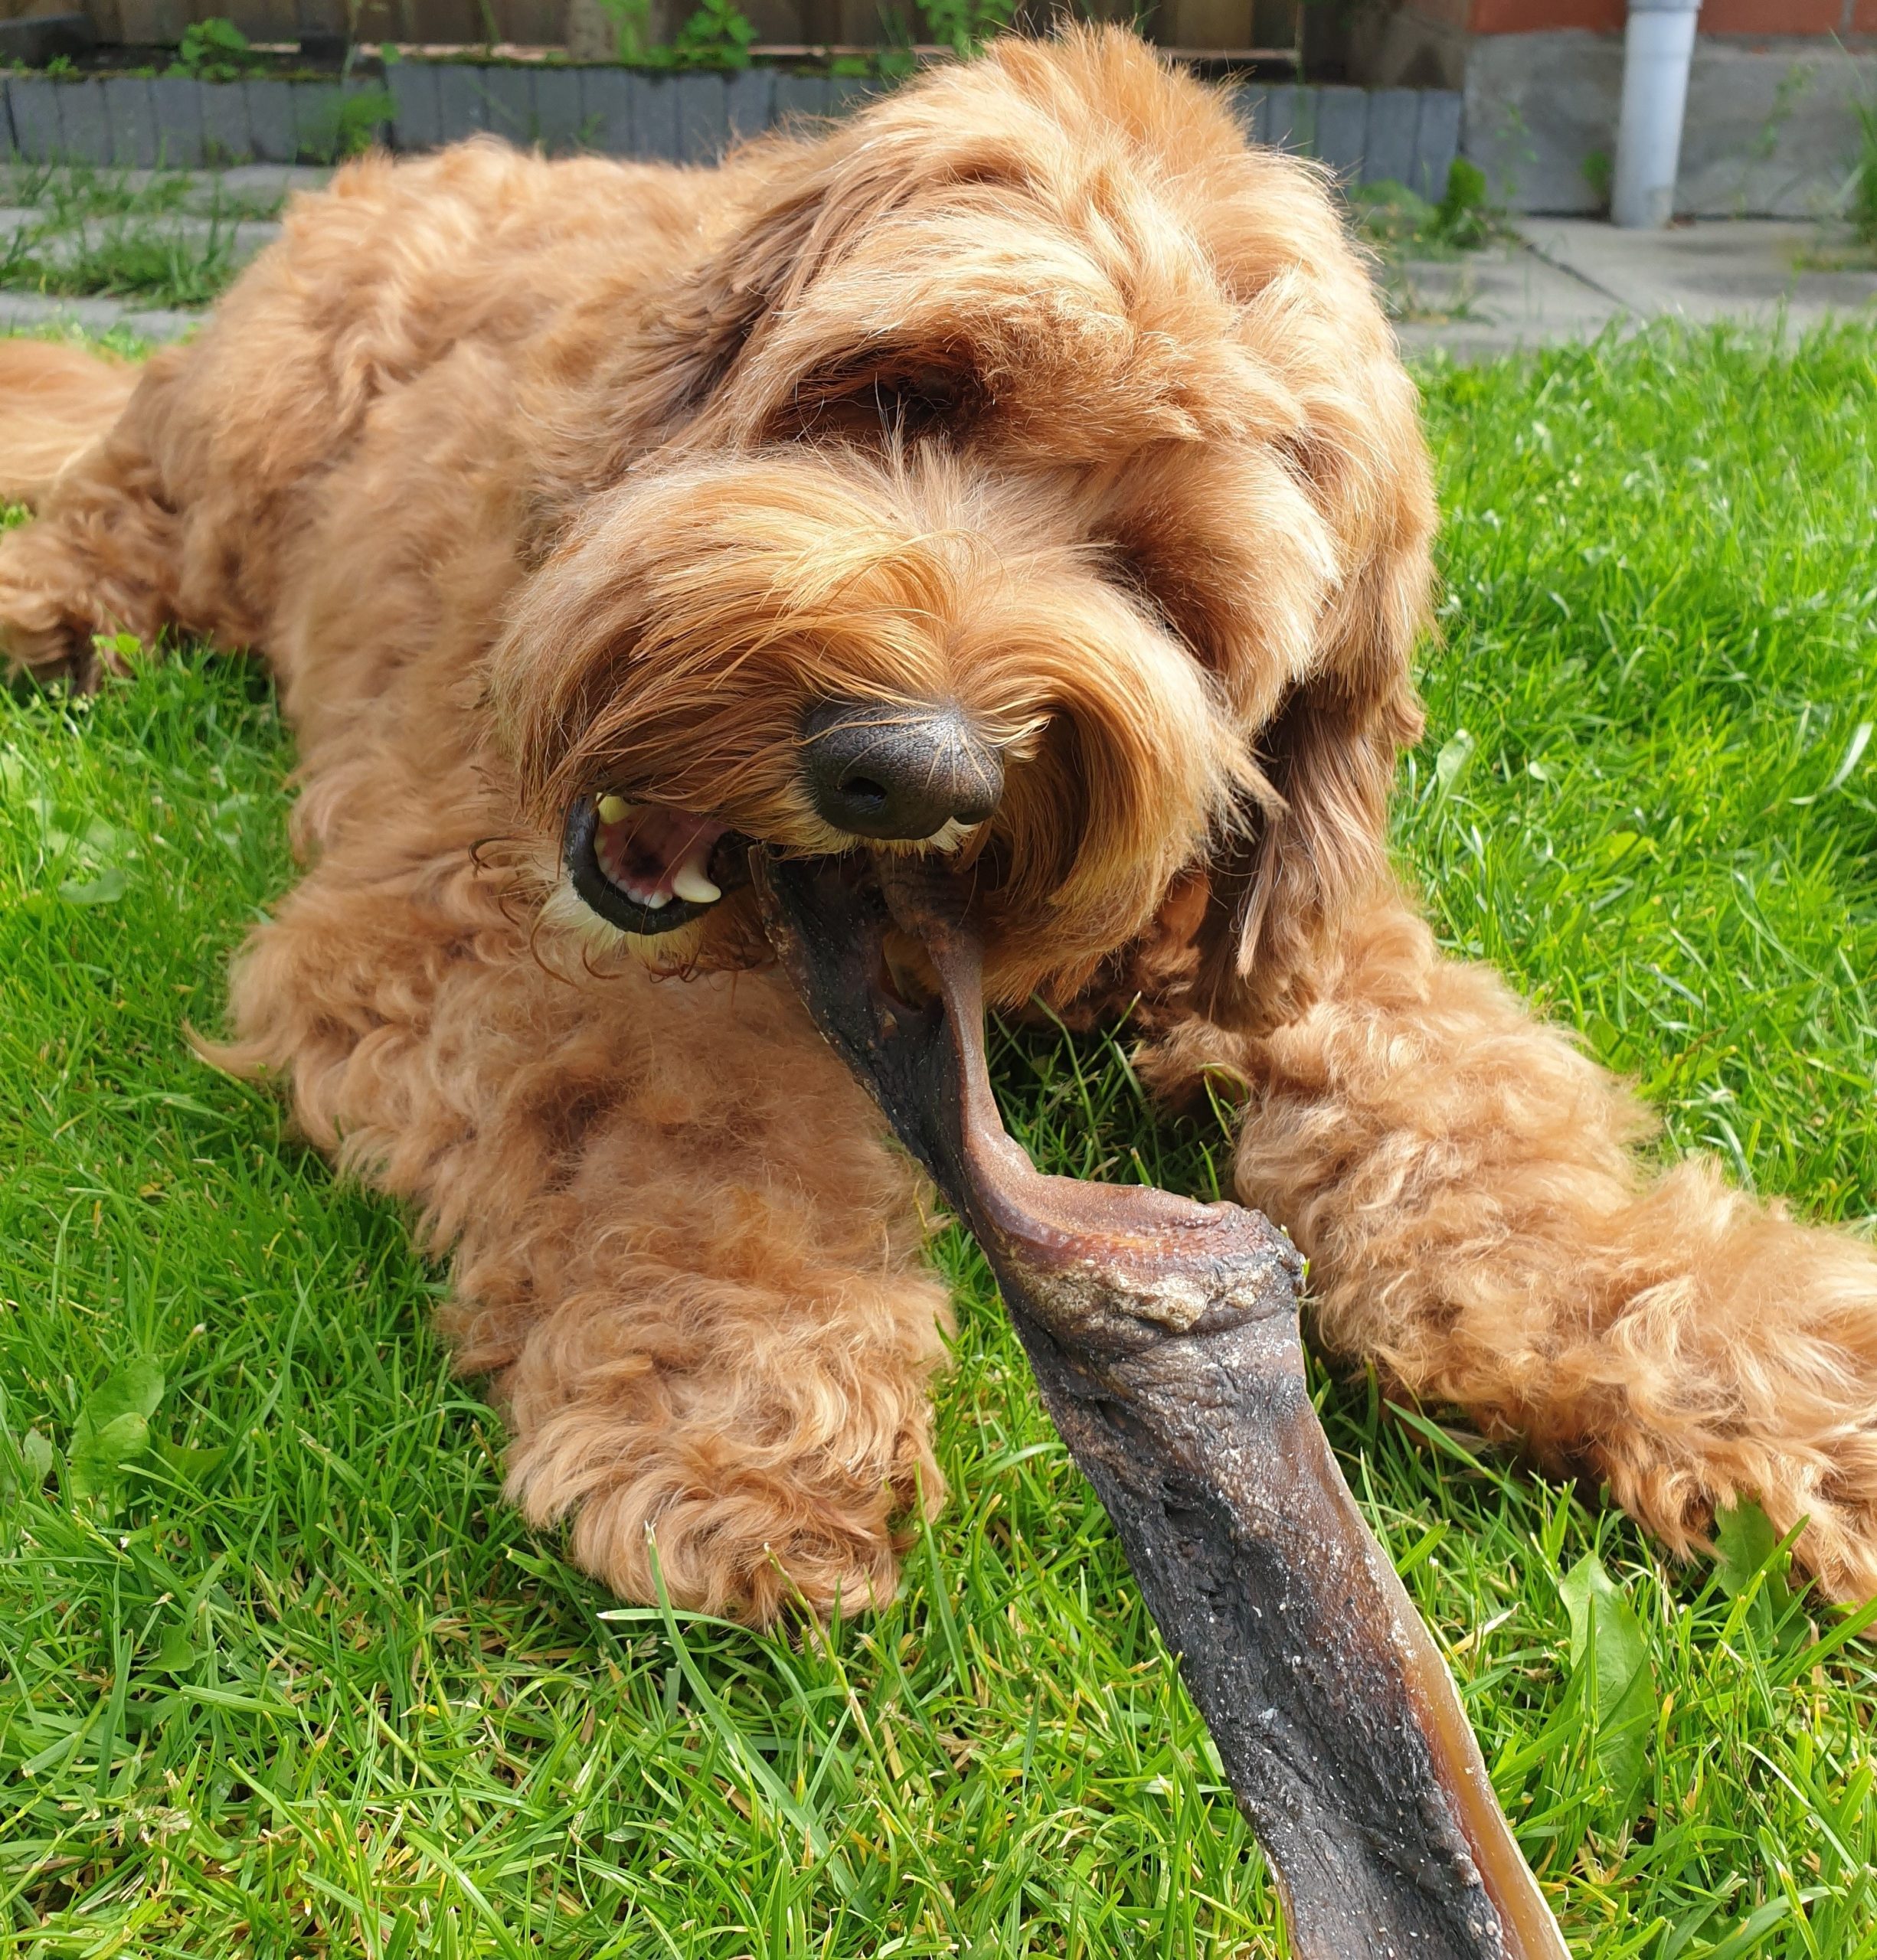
pixel 1394 123
pixel 1342 130
pixel 417 122
pixel 132 115
pixel 1437 142
pixel 85 132
pixel 263 180
pixel 508 102
pixel 461 106
pixel 800 97
pixel 33 103
pixel 655 119
pixel 176 104
pixel 226 137
pixel 270 121
pixel 557 114
pixel 703 111
pixel 97 315
pixel 752 102
pixel 605 111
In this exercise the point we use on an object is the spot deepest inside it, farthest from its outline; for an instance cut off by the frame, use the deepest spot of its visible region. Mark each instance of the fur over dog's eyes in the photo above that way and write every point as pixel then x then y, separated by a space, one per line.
pixel 920 400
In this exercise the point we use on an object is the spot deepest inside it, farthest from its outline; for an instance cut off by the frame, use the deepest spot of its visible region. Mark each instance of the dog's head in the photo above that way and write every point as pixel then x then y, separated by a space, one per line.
pixel 1023 471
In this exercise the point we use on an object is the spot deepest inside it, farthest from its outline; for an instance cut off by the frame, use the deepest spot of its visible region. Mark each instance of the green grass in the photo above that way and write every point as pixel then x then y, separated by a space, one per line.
pixel 132 235
pixel 159 266
pixel 315 1692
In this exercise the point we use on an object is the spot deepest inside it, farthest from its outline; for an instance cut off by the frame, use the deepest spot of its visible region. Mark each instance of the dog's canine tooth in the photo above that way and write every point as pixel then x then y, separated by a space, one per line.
pixel 613 809
pixel 690 883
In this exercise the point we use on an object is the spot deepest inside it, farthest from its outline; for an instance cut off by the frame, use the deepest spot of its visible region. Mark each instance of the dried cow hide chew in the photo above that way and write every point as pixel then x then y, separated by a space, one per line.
pixel 1164 1337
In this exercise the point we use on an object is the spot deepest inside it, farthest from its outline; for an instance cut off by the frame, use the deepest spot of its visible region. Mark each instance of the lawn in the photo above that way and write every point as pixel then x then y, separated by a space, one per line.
pixel 162 238
pixel 296 1683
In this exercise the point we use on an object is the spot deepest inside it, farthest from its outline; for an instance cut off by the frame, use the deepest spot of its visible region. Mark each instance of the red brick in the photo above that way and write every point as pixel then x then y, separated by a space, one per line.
pixel 1530 16
pixel 1774 16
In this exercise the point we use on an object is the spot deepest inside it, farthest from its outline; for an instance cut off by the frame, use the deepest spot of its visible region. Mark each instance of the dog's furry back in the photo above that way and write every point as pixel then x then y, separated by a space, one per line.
pixel 55 399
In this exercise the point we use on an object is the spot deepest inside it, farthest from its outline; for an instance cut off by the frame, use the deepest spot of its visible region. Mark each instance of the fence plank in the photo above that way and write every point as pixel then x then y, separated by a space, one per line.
pixel 85 132
pixel 1288 122
pixel 605 109
pixel 417 122
pixel 34 102
pixel 655 119
pixel 176 106
pixel 508 102
pixel 752 102
pixel 460 109
pixel 1243 98
pixel 1342 129
pixel 703 112
pixel 801 99
pixel 132 119
pixel 315 106
pixel 270 120
pixel 226 137
pixel 1437 142
pixel 847 93
pixel 1394 119
pixel 558 115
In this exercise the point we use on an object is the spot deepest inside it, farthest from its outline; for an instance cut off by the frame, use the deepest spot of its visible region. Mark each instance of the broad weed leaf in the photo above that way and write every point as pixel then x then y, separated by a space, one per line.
pixel 1606 1640
pixel 1450 764
pixel 106 889
pixel 1746 1546
pixel 113 1429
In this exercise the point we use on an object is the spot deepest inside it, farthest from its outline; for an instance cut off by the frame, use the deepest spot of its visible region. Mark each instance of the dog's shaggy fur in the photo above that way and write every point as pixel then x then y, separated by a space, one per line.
pixel 1032 389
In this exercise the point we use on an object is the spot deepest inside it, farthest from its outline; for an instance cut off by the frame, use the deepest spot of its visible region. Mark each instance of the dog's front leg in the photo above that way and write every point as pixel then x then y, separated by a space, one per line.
pixel 1463 1179
pixel 682 1250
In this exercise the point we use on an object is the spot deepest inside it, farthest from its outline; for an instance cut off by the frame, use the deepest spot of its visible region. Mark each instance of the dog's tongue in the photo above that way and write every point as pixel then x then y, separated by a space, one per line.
pixel 1164 1338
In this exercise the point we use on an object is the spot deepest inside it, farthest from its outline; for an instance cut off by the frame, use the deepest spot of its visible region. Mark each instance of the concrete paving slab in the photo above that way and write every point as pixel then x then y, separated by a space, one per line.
pixel 36 311
pixel 1494 302
pixel 1758 271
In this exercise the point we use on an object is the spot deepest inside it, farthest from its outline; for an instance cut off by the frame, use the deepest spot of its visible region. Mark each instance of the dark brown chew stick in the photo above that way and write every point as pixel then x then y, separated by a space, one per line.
pixel 1164 1337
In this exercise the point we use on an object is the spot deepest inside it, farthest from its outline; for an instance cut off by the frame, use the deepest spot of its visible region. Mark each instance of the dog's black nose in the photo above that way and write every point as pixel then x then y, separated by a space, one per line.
pixel 889 770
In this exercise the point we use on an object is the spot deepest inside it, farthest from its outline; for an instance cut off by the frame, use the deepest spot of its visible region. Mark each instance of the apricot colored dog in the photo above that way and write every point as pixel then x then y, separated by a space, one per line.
pixel 1023 470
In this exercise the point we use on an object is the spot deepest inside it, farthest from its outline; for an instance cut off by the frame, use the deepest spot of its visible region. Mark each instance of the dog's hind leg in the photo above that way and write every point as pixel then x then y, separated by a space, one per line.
pixel 1462 1179
pixel 99 557
pixel 682 1251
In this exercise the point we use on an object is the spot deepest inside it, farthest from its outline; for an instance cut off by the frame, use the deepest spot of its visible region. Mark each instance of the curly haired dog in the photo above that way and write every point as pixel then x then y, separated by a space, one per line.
pixel 1024 470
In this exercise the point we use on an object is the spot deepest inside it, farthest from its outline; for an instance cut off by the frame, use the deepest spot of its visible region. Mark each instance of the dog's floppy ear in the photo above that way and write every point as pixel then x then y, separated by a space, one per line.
pixel 1297 858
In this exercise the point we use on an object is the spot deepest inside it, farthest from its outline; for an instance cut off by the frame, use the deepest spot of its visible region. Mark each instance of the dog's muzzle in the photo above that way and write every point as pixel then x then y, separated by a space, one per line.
pixel 647 869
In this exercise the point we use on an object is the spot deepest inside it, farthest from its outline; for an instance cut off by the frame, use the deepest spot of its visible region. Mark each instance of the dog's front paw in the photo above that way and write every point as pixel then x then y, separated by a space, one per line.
pixel 747 1551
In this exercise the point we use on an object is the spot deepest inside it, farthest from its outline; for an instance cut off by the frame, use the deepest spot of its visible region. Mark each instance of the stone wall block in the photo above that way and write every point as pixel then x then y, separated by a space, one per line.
pixel 33 103
pixel 226 136
pixel 417 121
pixel 703 109
pixel 176 105
pixel 1341 130
pixel 605 109
pixel 557 117
pixel 1394 123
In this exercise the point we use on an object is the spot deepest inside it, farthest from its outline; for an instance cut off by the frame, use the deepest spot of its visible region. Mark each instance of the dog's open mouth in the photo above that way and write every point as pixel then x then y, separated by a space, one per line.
pixel 647 869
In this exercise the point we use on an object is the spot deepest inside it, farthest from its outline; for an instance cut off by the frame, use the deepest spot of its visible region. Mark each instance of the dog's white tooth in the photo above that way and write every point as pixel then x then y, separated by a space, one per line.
pixel 689 882
pixel 655 901
pixel 613 809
